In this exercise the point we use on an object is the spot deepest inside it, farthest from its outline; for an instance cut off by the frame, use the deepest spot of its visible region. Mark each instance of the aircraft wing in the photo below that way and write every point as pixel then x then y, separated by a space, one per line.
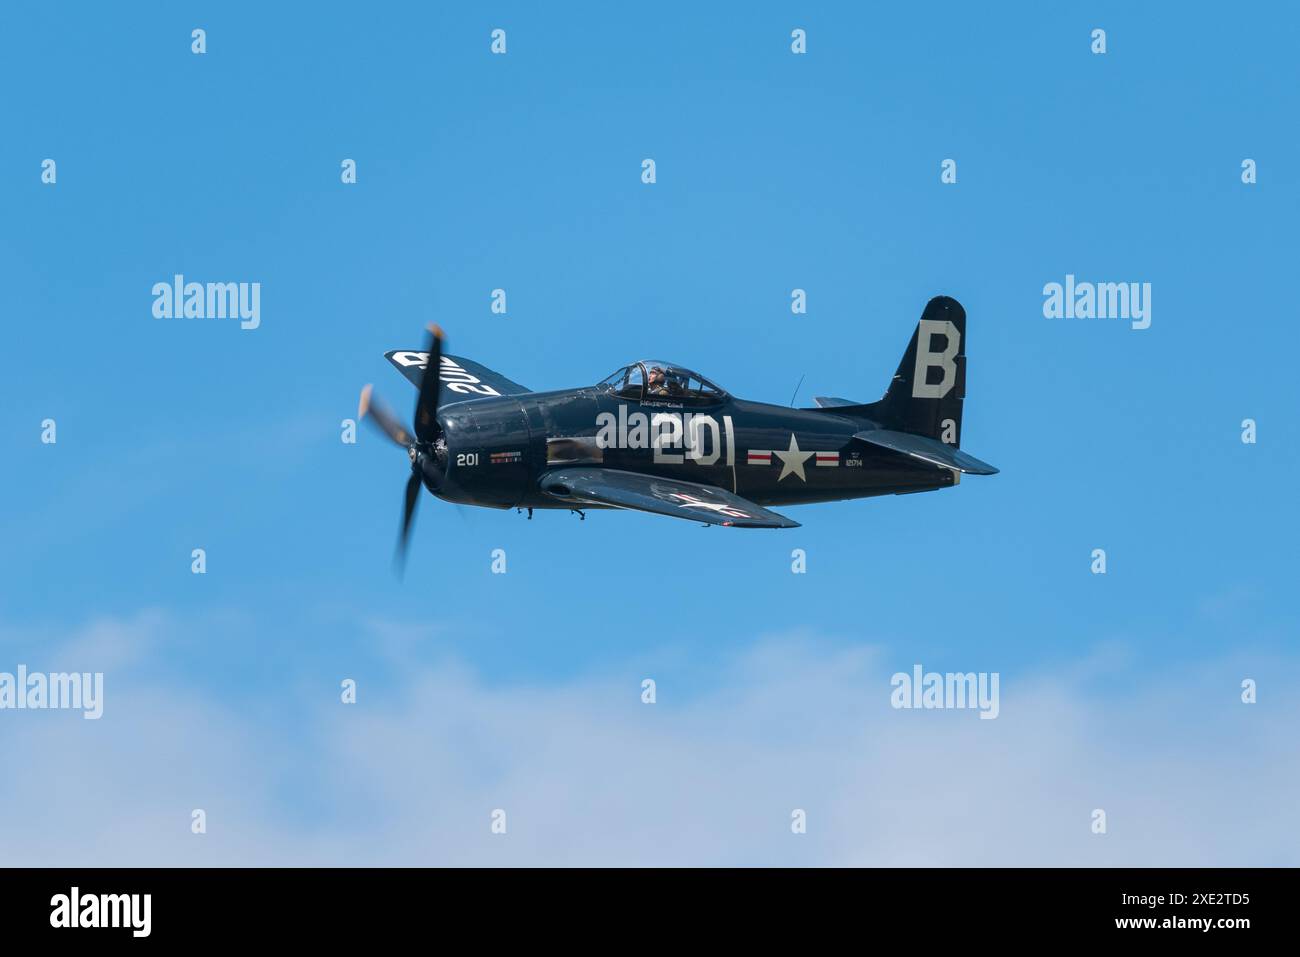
pixel 460 378
pixel 661 496
pixel 927 450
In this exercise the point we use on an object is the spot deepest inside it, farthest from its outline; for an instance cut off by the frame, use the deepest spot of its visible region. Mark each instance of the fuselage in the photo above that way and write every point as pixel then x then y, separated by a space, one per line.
pixel 497 449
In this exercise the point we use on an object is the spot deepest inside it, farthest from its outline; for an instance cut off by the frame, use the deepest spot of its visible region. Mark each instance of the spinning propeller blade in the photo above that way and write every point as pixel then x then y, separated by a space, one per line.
pixel 420 447
pixel 376 412
pixel 408 516
pixel 426 406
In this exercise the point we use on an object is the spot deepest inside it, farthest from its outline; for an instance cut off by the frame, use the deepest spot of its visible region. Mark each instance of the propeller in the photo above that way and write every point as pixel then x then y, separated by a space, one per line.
pixel 383 418
pixel 422 447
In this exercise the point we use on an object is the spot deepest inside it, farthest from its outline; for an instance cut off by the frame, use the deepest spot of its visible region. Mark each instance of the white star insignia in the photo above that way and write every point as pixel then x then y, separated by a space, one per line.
pixel 792 461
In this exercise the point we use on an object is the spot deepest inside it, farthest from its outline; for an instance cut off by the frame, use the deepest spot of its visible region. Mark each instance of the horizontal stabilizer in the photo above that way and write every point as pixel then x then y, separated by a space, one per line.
pixel 831 402
pixel 649 493
pixel 927 450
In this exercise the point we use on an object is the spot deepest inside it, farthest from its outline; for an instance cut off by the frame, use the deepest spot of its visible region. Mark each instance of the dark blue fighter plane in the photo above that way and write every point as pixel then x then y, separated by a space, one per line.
pixel 657 437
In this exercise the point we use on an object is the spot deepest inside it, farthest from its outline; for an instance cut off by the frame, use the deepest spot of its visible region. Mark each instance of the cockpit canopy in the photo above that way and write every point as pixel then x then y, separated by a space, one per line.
pixel 651 381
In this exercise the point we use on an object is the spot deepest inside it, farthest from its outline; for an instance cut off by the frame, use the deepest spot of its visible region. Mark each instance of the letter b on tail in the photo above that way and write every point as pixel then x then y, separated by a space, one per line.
pixel 935 372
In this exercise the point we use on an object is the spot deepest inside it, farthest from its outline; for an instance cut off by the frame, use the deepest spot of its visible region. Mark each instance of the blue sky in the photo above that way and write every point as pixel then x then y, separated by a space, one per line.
pixel 522 172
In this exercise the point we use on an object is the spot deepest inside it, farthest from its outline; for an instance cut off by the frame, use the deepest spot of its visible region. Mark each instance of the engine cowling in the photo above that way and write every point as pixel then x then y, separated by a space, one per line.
pixel 487 443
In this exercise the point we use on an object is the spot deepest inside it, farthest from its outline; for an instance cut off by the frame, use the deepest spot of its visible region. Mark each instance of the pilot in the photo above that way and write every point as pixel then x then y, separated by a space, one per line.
pixel 655 383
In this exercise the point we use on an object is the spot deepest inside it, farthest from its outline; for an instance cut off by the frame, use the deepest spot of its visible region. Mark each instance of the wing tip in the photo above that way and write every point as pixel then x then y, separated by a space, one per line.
pixel 973 466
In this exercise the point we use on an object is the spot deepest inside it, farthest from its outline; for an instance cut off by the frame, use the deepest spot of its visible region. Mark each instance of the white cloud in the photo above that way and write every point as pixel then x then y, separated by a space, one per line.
pixel 589 775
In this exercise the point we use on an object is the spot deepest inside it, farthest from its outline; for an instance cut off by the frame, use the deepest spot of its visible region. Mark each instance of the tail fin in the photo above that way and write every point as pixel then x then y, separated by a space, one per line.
pixel 925 396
